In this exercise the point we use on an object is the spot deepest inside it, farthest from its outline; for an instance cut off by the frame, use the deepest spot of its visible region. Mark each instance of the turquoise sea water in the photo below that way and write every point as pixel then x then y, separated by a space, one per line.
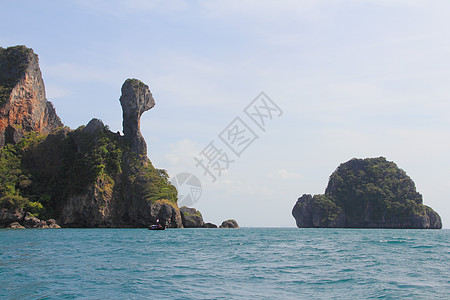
pixel 259 263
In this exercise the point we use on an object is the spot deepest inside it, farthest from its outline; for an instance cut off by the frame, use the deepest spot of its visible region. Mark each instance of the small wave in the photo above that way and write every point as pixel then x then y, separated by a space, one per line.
pixel 393 241
pixel 423 247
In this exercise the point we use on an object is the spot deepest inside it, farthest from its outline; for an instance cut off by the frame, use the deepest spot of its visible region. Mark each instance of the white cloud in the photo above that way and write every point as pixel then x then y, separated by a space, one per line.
pixel 262 9
pixel 283 174
pixel 398 2
pixel 180 157
pixel 54 91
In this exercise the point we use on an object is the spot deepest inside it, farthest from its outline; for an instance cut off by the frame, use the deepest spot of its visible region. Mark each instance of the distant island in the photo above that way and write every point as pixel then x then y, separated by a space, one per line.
pixel 367 193
pixel 52 176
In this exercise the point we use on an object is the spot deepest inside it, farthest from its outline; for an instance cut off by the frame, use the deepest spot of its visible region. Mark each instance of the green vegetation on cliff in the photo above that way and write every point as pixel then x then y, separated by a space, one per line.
pixel 13 62
pixel 371 192
pixel 328 206
pixel 40 172
pixel 377 183
pixel 14 179
pixel 135 83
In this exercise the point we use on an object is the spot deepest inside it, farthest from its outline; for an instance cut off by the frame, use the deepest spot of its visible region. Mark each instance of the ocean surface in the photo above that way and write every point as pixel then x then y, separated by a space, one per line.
pixel 245 263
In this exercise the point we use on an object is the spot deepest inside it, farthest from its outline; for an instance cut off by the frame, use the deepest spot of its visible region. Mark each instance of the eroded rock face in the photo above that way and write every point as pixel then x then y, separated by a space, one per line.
pixel 90 209
pixel 10 216
pixel 135 100
pixel 51 223
pixel 106 204
pixel 94 126
pixel 167 212
pixel 308 214
pixel 23 105
pixel 229 224
pixel 15 225
pixel 191 217
pixel 19 219
pixel 31 222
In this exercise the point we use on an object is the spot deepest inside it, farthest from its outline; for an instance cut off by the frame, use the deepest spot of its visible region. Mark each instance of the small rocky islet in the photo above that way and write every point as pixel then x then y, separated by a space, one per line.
pixel 366 193
pixel 88 177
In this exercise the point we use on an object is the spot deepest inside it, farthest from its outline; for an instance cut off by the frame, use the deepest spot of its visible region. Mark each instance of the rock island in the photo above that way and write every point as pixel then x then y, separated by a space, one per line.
pixel 367 193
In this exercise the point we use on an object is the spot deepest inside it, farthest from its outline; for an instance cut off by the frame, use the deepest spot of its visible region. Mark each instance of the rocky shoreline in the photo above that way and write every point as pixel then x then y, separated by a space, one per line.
pixel 19 219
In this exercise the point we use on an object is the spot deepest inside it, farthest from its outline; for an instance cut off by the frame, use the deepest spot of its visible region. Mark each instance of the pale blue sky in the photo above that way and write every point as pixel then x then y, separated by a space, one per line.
pixel 353 78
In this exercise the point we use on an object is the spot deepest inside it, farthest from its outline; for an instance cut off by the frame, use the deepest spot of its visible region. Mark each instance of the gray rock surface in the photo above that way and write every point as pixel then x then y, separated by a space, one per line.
pixel 94 126
pixel 20 219
pixel 15 225
pixel 191 217
pixel 308 215
pixel 135 100
pixel 229 224
pixel 51 223
pixel 166 212
pixel 209 225
pixel 101 207
pixel 10 216
pixel 31 222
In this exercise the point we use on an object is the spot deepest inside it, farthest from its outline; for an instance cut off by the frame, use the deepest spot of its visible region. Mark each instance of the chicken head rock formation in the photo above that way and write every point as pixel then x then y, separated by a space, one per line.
pixel 132 193
pixel 135 100
pixel 87 177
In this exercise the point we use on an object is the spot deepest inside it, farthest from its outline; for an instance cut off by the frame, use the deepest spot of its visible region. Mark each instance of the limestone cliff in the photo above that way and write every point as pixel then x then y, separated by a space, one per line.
pixel 88 177
pixel 23 105
pixel 135 100
pixel 229 224
pixel 367 193
pixel 191 217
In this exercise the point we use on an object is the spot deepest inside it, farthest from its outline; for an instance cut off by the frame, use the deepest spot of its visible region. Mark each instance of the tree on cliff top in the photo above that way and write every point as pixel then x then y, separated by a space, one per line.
pixel 377 182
